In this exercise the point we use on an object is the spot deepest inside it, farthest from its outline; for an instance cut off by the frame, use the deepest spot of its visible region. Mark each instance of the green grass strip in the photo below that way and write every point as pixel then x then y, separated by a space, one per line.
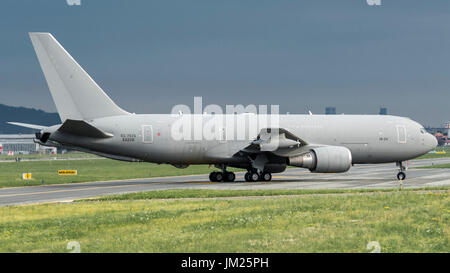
pixel 201 193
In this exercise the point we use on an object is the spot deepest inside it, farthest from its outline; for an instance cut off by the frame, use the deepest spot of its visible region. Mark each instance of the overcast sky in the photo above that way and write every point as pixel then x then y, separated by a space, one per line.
pixel 303 55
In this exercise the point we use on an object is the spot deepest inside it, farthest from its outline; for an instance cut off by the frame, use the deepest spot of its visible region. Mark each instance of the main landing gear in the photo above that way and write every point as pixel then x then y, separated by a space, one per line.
pixel 222 176
pixel 254 175
pixel 401 174
pixel 250 176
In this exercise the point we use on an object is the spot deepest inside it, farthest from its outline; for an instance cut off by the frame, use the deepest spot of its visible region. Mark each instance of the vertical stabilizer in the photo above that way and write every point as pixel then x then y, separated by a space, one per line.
pixel 76 95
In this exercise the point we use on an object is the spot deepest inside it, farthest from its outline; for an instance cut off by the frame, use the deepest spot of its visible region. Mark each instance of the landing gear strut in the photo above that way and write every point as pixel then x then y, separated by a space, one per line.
pixel 401 174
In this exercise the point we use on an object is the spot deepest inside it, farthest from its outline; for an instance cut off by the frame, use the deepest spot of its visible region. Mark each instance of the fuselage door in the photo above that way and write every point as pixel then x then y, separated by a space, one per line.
pixel 401 133
pixel 147 134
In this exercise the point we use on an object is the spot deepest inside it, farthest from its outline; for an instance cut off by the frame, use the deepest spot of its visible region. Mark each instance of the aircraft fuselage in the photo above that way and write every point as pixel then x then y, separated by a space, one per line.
pixel 370 138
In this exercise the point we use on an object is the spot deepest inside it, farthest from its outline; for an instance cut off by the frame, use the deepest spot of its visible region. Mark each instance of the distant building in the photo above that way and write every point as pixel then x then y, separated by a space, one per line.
pixel 435 130
pixel 18 143
pixel 383 111
pixel 21 144
pixel 330 110
pixel 440 138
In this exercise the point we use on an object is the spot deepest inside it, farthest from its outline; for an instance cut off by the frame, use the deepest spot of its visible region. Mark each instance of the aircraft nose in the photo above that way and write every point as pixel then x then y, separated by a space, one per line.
pixel 431 142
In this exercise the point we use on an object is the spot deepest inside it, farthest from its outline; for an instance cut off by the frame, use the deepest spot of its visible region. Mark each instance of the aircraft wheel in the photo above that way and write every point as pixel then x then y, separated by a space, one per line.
pixel 266 176
pixel 212 177
pixel 247 177
pixel 254 176
pixel 401 176
pixel 229 177
pixel 219 176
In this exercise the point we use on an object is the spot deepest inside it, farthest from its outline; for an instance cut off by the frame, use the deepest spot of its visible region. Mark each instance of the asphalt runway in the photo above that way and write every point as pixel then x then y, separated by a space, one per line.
pixel 359 176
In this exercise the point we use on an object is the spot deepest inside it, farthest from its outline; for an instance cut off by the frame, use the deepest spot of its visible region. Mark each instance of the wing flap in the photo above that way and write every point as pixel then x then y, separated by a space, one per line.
pixel 272 139
pixel 278 141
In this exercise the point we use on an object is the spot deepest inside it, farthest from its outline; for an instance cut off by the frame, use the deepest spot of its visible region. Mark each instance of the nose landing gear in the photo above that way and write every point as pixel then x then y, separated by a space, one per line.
pixel 401 174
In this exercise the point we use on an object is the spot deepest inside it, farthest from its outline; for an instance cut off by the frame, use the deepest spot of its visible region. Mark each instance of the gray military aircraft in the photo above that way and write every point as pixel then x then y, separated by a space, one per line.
pixel 93 123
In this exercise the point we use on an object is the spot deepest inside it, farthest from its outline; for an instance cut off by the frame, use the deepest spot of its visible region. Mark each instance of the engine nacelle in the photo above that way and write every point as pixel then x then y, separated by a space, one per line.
pixel 275 167
pixel 42 136
pixel 329 159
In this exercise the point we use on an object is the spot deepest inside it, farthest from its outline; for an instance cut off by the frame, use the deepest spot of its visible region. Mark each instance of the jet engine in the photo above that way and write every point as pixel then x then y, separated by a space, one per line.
pixel 328 159
pixel 42 136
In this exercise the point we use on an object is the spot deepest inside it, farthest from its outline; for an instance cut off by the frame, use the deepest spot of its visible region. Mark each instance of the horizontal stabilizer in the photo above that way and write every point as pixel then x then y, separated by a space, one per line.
pixel 26 125
pixel 82 128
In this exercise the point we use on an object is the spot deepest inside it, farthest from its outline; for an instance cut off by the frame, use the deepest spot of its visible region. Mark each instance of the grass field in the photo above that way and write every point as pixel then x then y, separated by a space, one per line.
pixel 88 170
pixel 436 166
pixel 201 193
pixel 437 155
pixel 409 221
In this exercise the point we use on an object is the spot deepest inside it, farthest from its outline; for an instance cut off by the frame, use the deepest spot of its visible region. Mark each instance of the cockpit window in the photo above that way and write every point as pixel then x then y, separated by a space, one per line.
pixel 422 130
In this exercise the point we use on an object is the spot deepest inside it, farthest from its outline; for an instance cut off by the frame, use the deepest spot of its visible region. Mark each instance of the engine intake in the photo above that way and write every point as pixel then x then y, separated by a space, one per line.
pixel 329 159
